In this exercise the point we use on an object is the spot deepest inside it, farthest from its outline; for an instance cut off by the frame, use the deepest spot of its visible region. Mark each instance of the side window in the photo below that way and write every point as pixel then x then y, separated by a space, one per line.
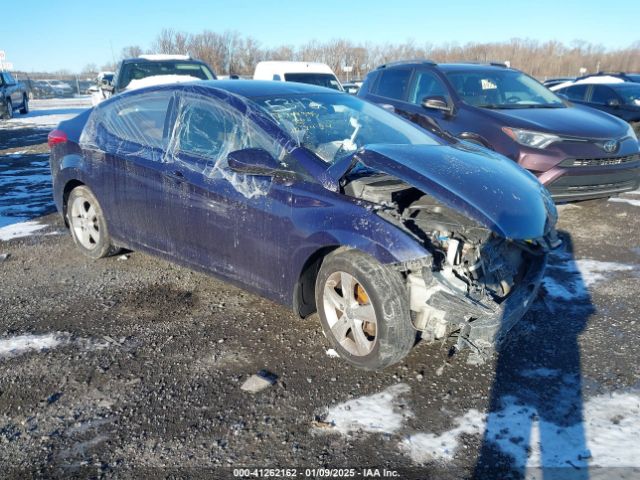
pixel 204 130
pixel 426 84
pixel 139 120
pixel 393 83
pixel 602 95
pixel 208 129
pixel 8 78
pixel 576 92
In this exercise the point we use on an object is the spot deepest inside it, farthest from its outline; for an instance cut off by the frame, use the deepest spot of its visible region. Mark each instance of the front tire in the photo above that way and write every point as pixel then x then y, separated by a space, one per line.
pixel 364 310
pixel 88 225
pixel 8 115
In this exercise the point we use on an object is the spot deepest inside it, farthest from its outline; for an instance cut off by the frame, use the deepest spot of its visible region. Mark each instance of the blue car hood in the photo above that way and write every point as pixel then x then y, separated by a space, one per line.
pixel 485 186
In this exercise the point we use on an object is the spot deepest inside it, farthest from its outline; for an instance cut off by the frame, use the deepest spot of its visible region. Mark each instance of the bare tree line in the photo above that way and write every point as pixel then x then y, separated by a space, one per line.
pixel 233 53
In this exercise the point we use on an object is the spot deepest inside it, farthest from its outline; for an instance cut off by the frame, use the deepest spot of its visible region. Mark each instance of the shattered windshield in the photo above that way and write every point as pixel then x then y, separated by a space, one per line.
pixel 333 125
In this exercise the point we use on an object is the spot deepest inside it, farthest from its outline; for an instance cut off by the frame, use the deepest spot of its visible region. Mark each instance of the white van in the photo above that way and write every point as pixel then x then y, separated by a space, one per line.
pixel 302 72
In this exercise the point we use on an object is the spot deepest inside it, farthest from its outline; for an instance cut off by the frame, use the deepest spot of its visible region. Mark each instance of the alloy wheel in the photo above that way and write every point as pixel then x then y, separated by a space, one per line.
pixel 84 222
pixel 350 314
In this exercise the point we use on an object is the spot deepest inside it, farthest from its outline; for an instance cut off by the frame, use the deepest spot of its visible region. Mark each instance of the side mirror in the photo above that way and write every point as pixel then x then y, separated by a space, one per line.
pixel 613 102
pixel 254 161
pixel 437 103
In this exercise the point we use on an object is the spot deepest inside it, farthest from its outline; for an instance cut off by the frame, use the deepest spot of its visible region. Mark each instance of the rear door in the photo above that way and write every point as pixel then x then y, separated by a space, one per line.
pixel 391 87
pixel 126 157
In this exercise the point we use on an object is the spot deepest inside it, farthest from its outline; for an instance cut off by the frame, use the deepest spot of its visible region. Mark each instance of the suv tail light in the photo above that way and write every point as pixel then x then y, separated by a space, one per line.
pixel 56 137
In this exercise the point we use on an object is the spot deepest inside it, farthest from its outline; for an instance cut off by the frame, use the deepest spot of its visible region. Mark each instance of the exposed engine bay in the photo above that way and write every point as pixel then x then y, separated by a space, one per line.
pixel 463 288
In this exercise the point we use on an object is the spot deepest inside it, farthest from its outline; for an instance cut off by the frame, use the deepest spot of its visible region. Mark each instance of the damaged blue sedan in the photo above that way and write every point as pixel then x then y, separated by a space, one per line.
pixel 315 199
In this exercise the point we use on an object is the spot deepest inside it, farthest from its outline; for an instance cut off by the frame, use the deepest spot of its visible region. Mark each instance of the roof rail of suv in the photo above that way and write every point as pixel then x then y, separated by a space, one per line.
pixel 493 64
pixel 420 61
pixel 622 75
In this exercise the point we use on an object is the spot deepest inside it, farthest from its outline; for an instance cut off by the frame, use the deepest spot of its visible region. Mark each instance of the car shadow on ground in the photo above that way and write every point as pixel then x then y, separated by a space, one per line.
pixel 535 423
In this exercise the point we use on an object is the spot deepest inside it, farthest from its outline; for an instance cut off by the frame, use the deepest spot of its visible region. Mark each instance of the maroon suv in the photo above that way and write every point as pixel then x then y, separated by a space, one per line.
pixel 577 152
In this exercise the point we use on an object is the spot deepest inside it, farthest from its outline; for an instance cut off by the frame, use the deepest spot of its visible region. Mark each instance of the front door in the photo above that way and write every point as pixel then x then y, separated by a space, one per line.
pixel 236 225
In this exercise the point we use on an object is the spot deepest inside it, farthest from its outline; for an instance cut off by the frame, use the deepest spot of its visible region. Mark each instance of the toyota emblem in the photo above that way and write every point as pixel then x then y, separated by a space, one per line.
pixel 610 146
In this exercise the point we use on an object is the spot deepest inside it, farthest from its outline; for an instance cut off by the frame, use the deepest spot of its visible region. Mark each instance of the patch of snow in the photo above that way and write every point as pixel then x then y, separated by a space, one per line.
pixel 593 271
pixel 568 279
pixel 19 230
pixel 606 438
pixel 160 80
pixel 158 57
pixel 50 112
pixel 425 447
pixel 633 192
pixel 588 80
pixel 630 201
pixel 378 413
pixel 332 353
pixel 20 344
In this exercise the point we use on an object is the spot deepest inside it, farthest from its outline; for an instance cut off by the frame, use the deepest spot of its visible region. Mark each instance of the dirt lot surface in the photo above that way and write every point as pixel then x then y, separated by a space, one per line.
pixel 132 367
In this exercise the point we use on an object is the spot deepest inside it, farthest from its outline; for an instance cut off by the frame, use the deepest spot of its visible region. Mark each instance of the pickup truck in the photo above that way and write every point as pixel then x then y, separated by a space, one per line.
pixel 13 96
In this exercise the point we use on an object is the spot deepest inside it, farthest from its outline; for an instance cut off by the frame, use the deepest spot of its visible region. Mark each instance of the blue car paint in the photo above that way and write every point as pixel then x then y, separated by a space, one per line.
pixel 485 186
pixel 263 243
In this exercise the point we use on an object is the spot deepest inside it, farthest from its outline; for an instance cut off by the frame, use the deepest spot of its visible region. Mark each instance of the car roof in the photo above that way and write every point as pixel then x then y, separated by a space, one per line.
pixel 262 88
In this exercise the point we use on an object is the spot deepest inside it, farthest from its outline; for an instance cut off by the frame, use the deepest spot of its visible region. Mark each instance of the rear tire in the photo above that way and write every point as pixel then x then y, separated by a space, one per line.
pixel 368 322
pixel 25 105
pixel 88 225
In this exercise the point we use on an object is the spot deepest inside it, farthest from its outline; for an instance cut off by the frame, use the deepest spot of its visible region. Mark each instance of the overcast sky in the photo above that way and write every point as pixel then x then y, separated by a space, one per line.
pixel 51 35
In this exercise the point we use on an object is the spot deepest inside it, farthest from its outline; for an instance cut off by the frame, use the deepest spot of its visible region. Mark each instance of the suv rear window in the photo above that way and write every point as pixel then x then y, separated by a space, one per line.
pixel 393 83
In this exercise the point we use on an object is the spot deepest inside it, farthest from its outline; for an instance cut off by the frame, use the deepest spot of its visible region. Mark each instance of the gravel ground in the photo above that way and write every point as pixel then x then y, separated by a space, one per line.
pixel 132 367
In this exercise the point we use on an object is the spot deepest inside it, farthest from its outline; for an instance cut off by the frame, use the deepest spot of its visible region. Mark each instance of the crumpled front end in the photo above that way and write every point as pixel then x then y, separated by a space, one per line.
pixel 476 284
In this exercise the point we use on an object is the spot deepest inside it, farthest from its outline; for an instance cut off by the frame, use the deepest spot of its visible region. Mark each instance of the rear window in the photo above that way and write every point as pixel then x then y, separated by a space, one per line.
pixel 138 120
pixel 322 79
pixel 138 71
pixel 393 83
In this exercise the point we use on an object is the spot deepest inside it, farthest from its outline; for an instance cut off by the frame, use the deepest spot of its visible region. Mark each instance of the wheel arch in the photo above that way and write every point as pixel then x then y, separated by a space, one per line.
pixel 304 292
pixel 68 187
